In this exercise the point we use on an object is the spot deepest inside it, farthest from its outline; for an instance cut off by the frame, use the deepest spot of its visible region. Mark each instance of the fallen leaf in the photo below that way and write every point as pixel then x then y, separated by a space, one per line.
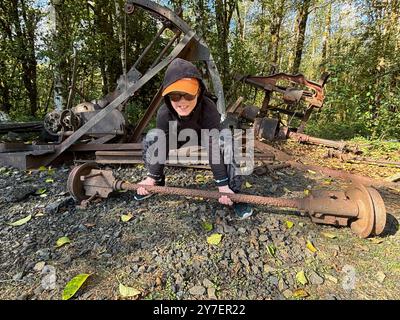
pixel 301 224
pixel 330 278
pixel 380 276
pixel 49 180
pixel 248 185
pixel 311 247
pixel 21 221
pixel 300 293
pixel 286 190
pixel 207 226
pixel 307 192
pixel 376 240
pixel 63 240
pixel 327 181
pixel 289 224
pixel 311 171
pixel 126 217
pixel 301 277
pixel 329 235
pixel 44 195
pixel 200 178
pixel 128 291
pixel 74 285
pixel 89 225
pixel 42 168
pixel 271 250
pixel 41 191
pixel 214 239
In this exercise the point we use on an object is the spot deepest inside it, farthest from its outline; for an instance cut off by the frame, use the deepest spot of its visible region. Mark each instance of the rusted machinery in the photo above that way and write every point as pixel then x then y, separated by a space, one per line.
pixel 362 208
pixel 299 90
pixel 100 121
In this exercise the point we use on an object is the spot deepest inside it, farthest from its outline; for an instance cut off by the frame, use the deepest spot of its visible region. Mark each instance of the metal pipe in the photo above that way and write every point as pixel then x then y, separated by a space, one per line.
pixel 150 45
pixel 162 53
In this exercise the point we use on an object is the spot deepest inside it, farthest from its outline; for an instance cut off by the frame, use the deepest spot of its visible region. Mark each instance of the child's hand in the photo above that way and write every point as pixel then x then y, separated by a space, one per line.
pixel 147 182
pixel 225 199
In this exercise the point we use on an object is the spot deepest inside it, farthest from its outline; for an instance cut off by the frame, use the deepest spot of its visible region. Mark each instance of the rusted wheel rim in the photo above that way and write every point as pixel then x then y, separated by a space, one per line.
pixel 74 183
pixel 363 225
pixel 380 211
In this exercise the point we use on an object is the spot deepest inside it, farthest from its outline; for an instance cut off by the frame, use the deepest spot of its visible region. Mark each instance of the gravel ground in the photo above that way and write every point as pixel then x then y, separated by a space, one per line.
pixel 163 251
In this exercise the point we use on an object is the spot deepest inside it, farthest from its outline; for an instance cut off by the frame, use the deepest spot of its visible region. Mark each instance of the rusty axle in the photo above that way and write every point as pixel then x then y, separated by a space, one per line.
pixel 361 207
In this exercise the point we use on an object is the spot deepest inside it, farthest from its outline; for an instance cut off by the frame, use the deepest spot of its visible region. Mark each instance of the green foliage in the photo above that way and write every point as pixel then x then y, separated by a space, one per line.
pixel 361 41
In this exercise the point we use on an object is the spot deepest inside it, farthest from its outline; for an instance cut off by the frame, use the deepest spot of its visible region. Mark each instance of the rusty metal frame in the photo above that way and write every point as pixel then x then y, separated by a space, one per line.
pixel 190 47
pixel 314 97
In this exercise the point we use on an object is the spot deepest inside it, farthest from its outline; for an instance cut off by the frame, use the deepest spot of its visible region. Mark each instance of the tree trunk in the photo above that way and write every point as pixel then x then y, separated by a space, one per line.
pixel 300 30
pixel 325 39
pixel 223 13
pixel 275 30
pixel 25 39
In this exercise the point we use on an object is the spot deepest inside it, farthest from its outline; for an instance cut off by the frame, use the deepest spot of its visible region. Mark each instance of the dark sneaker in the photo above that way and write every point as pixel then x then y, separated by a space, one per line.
pixel 242 210
pixel 139 197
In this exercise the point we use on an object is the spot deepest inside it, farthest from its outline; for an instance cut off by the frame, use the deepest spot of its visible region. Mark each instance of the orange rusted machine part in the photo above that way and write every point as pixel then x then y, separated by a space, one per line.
pixel 360 207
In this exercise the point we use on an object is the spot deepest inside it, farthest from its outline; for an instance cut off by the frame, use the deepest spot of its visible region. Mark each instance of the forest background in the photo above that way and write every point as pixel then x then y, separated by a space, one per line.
pixel 357 42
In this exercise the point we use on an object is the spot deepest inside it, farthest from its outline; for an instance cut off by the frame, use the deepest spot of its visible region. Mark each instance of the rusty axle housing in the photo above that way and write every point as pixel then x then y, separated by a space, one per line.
pixel 360 207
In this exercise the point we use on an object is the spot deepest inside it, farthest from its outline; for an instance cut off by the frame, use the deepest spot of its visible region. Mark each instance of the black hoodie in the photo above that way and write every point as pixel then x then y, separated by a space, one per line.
pixel 204 116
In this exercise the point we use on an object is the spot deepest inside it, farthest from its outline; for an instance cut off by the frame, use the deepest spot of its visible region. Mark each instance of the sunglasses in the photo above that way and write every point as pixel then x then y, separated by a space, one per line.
pixel 175 97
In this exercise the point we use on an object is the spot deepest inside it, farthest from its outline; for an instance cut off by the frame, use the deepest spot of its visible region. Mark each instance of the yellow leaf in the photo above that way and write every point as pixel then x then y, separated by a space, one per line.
pixel 127 291
pixel 49 180
pixel 41 191
pixel 311 171
pixel 126 217
pixel 301 278
pixel 73 285
pixel 300 293
pixel 200 179
pixel 375 240
pixel 289 224
pixel 63 240
pixel 327 181
pixel 42 168
pixel 21 221
pixel 248 185
pixel 329 235
pixel 307 192
pixel 214 239
pixel 311 247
